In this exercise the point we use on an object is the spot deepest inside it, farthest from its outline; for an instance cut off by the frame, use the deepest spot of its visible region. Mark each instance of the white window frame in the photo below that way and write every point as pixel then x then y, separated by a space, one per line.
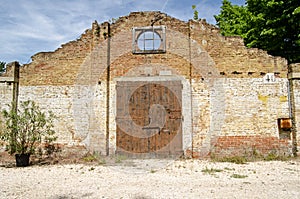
pixel 157 30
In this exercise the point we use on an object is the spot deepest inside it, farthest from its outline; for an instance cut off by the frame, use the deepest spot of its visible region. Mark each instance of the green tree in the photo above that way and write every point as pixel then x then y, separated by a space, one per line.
pixel 233 19
pixel 196 13
pixel 271 25
pixel 2 67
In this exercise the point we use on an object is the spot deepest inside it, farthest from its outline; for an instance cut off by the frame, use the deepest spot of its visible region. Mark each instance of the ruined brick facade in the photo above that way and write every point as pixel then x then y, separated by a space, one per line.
pixel 232 97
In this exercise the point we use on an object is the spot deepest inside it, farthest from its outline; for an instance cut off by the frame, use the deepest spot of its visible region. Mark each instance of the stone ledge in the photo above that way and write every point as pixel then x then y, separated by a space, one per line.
pixel 294 75
pixel 7 79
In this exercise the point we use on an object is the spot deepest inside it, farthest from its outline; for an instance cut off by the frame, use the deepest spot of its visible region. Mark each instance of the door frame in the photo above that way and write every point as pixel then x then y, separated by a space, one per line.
pixel 186 103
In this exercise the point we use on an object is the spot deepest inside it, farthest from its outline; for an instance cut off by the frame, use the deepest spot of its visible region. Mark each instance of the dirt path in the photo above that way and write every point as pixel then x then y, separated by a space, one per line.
pixel 154 179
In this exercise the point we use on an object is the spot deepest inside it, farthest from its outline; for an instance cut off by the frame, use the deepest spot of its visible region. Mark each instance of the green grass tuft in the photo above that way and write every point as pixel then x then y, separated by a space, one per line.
pixel 94 158
pixel 275 157
pixel 120 158
pixel 211 170
pixel 238 176
pixel 233 159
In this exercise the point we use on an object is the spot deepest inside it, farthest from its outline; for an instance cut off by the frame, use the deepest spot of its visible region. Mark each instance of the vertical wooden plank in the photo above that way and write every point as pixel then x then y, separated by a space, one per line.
pixel 167 94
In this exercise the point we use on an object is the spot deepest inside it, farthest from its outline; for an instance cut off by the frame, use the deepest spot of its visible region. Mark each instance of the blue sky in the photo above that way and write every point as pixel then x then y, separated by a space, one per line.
pixel 31 26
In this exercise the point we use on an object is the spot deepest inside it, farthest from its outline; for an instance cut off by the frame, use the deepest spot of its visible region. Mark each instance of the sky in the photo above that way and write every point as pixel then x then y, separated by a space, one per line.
pixel 31 26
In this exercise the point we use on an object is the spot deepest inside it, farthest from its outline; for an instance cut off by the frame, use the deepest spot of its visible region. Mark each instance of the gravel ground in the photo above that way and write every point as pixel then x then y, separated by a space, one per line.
pixel 153 179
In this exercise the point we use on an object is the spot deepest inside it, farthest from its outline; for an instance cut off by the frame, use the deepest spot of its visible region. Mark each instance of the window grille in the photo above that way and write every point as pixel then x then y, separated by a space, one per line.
pixel 149 39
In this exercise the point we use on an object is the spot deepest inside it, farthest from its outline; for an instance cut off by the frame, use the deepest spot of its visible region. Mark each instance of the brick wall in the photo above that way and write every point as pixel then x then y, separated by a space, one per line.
pixel 250 145
pixel 294 81
pixel 224 95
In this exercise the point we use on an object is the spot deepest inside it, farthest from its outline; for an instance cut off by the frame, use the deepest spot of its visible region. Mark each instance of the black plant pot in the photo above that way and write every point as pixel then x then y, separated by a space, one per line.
pixel 22 160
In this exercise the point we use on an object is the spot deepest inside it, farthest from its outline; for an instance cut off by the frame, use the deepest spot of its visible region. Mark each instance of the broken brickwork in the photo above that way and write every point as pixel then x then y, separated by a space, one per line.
pixel 231 96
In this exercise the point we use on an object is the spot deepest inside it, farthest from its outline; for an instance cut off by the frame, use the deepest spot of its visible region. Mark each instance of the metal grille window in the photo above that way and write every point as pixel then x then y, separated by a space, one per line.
pixel 149 39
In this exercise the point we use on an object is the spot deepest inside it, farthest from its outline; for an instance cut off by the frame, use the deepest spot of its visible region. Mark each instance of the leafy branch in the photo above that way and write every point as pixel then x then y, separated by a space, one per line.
pixel 2 67
pixel 25 129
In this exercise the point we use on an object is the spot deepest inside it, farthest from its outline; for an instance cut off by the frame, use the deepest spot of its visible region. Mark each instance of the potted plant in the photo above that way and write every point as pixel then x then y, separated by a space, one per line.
pixel 25 129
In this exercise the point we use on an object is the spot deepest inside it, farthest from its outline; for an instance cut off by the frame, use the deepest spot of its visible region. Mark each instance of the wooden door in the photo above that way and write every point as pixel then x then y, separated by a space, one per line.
pixel 149 118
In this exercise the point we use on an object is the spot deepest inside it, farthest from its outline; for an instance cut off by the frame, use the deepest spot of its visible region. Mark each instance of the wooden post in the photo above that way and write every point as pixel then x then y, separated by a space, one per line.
pixel 15 68
pixel 108 89
pixel 16 72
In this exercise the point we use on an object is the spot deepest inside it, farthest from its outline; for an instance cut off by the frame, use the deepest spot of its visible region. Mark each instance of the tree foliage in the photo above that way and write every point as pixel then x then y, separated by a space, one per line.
pixel 196 13
pixel 25 129
pixel 271 25
pixel 233 19
pixel 2 67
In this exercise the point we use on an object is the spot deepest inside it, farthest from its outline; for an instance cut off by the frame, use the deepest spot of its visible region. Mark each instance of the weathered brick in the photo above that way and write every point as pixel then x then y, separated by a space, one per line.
pixel 226 105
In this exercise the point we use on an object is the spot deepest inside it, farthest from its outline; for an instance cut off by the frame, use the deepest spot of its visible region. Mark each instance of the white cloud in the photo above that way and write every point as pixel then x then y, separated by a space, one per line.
pixel 31 26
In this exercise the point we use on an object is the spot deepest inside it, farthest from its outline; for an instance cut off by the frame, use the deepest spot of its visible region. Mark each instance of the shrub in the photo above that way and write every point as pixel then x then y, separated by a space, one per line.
pixel 24 129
